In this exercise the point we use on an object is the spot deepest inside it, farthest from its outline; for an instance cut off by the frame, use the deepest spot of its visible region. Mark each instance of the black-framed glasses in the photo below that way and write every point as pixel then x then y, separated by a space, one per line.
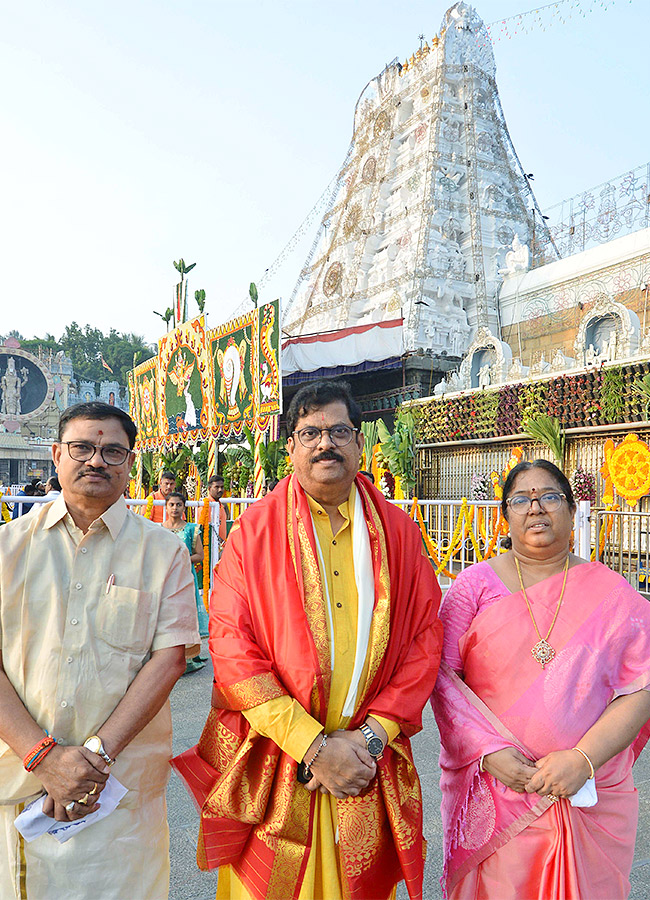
pixel 339 435
pixel 82 451
pixel 550 502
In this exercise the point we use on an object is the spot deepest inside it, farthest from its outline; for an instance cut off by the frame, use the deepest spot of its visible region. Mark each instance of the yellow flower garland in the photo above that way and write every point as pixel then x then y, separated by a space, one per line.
pixel 148 510
pixel 465 518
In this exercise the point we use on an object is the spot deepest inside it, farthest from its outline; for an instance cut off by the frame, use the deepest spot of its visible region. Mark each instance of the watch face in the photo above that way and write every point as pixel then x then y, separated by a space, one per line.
pixel 93 744
pixel 375 746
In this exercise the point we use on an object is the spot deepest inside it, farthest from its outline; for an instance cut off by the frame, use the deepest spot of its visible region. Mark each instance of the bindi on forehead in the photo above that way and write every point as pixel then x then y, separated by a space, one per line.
pixel 100 431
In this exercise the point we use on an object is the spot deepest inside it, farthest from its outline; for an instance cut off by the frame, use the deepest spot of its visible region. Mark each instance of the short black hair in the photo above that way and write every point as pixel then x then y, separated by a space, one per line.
pixel 54 481
pixel 318 394
pixel 95 409
pixel 549 467
pixel 178 495
pixel 168 474
pixel 216 478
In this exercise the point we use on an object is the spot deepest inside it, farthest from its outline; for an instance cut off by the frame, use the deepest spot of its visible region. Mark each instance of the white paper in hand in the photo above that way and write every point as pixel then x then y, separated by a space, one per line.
pixel 32 822
pixel 586 796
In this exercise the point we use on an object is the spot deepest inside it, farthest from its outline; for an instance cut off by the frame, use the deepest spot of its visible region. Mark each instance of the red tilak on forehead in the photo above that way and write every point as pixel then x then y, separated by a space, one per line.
pixel 100 432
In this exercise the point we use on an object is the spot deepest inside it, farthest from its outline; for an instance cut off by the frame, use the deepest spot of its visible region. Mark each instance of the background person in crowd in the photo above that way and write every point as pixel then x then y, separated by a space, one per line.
pixel 20 509
pixel 191 538
pixel 52 487
pixel 166 486
pixel 543 685
pixel 216 488
pixel 325 643
pixel 96 609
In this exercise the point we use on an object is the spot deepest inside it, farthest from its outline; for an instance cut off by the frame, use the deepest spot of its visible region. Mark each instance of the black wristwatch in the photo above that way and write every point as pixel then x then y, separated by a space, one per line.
pixel 374 743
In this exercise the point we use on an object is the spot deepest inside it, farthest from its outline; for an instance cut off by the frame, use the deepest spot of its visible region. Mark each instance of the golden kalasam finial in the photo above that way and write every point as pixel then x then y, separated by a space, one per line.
pixel 435 41
pixel 405 67
pixel 412 60
pixel 426 49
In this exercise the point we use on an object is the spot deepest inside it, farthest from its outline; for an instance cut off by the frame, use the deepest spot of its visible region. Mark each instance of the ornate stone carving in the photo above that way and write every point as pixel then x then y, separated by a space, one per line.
pixel 622 341
pixel 483 345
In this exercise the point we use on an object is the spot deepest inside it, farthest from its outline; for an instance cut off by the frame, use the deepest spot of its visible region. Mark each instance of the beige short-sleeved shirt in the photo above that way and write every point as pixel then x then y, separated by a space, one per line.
pixel 79 616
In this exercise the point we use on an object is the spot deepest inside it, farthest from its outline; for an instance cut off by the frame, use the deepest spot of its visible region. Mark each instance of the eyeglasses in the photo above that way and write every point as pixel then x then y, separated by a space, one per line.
pixel 549 502
pixel 82 451
pixel 339 435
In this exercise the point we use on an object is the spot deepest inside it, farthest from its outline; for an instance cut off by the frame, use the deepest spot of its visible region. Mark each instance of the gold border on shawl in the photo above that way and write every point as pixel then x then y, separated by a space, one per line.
pixel 380 628
pixel 313 597
pixel 247 693
pixel 285 831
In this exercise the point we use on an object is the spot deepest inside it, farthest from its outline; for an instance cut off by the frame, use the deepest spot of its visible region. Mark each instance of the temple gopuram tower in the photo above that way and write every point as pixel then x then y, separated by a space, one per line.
pixel 430 199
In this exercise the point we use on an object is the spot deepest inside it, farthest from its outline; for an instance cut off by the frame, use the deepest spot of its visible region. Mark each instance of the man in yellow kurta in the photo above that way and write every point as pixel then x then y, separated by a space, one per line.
pixel 325 643
pixel 96 608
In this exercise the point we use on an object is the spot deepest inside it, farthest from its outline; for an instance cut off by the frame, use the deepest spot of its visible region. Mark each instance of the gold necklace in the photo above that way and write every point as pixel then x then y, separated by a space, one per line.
pixel 542 651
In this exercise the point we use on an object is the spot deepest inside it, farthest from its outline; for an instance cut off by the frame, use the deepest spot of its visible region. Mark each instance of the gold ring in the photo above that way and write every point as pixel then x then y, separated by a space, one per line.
pixel 553 797
pixel 84 800
pixel 94 790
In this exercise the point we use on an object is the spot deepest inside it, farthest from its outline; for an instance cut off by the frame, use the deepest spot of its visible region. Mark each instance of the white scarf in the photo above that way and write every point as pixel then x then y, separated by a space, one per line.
pixel 365 582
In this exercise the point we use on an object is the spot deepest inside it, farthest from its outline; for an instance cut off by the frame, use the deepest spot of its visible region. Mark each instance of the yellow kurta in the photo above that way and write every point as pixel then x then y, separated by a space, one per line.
pixel 293 729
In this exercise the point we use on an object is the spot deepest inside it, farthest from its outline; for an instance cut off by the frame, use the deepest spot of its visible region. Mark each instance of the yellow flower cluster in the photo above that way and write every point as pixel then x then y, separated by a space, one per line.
pixel 626 468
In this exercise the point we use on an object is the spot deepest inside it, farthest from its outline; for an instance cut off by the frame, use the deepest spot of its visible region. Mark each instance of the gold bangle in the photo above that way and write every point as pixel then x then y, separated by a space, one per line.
pixel 480 763
pixel 589 762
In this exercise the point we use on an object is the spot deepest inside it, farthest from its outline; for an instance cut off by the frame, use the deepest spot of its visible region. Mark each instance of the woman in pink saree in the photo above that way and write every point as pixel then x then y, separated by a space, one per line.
pixel 545 680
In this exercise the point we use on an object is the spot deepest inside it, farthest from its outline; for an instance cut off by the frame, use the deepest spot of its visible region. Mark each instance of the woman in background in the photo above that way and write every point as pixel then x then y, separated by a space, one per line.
pixel 189 534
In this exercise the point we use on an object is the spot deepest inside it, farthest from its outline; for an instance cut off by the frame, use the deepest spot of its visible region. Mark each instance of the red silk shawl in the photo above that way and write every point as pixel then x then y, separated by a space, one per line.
pixel 268 638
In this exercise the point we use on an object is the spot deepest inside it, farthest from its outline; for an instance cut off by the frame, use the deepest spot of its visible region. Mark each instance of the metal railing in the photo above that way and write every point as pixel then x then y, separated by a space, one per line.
pixel 440 518
pixel 622 539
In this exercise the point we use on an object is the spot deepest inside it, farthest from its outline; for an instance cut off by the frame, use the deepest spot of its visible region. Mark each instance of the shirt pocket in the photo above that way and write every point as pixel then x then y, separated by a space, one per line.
pixel 125 619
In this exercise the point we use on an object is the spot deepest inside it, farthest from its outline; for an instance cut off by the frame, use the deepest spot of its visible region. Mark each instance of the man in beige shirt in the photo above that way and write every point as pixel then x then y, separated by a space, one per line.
pixel 96 609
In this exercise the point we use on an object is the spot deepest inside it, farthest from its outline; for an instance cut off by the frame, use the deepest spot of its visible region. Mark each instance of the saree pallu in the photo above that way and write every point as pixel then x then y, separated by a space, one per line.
pixel 269 638
pixel 501 844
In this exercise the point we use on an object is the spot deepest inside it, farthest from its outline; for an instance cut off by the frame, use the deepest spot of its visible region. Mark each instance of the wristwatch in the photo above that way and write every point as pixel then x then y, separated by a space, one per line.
pixel 94 744
pixel 374 743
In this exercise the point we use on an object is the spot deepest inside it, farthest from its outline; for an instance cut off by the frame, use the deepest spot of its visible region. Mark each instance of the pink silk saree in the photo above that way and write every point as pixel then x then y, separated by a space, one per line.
pixel 508 846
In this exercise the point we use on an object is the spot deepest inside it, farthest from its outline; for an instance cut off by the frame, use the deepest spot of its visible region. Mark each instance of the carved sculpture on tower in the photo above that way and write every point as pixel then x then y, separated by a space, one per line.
pixel 431 204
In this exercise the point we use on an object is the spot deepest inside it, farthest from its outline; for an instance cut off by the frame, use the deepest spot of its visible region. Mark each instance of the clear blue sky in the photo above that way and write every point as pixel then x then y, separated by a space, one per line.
pixel 138 132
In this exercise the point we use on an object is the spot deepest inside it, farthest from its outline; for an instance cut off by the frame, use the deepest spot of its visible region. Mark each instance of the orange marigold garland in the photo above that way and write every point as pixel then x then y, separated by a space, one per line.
pixel 205 522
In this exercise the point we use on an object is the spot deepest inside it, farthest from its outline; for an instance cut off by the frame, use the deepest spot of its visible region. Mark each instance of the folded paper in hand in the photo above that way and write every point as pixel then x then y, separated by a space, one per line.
pixel 32 822
pixel 586 796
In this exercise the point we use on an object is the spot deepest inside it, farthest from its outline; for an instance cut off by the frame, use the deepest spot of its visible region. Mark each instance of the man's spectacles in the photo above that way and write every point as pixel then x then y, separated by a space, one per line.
pixel 549 502
pixel 339 435
pixel 82 451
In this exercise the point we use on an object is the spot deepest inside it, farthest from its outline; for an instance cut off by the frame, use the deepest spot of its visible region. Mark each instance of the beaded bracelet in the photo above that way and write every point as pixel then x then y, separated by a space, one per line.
pixel 38 753
pixel 323 743
pixel 589 762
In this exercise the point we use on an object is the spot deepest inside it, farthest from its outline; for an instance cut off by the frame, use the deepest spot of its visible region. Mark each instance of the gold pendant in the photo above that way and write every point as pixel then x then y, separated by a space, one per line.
pixel 543 652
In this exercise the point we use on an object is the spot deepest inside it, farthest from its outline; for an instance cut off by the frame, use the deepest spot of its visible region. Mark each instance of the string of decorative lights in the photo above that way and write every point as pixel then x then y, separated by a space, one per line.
pixel 543 17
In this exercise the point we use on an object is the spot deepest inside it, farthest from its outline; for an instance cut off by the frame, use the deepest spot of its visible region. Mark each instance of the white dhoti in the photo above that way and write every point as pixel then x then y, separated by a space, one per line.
pixel 122 857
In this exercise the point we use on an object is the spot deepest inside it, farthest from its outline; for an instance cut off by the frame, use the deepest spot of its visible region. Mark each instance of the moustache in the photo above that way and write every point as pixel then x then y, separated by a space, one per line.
pixel 93 472
pixel 327 454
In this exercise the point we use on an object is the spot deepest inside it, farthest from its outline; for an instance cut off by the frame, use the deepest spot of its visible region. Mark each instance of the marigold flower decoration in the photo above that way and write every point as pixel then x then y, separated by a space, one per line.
pixel 626 468
pixel 148 510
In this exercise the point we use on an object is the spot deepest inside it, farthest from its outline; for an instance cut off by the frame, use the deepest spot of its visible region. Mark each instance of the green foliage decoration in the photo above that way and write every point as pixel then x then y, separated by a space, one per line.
pixel 612 394
pixel 398 448
pixel 547 430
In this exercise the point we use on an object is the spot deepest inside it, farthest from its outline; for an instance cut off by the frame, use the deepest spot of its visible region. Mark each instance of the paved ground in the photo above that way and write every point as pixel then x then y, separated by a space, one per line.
pixel 190 705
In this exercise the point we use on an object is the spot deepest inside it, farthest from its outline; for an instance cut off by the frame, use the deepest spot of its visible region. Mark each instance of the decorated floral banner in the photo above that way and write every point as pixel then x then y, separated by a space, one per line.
pixel 184 383
pixel 268 368
pixel 231 351
pixel 143 393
